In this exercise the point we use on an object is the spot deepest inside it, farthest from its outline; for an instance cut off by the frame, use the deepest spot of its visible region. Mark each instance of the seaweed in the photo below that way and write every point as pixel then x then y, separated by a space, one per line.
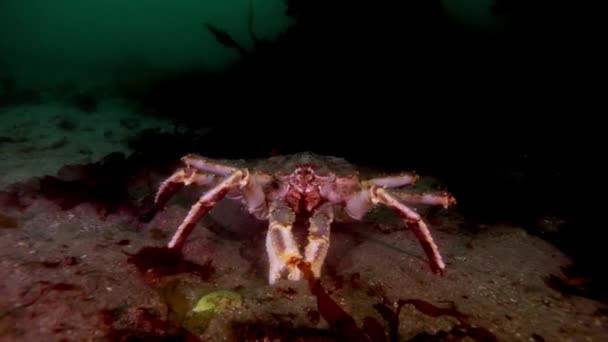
pixel 337 318
pixel 225 39
pixel 345 326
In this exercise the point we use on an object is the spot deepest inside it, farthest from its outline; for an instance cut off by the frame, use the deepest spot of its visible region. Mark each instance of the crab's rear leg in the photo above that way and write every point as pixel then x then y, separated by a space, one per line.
pixel 395 181
pixel 177 181
pixel 318 238
pixel 282 249
pixel 204 205
pixel 381 195
pixel 444 199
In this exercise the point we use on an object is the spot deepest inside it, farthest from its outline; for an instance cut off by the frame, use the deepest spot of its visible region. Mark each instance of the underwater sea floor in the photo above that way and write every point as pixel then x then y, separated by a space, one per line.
pixel 73 276
pixel 38 139
pixel 79 263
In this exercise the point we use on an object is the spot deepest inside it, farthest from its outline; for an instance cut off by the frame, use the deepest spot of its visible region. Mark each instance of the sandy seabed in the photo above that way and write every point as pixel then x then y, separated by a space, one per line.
pixel 75 275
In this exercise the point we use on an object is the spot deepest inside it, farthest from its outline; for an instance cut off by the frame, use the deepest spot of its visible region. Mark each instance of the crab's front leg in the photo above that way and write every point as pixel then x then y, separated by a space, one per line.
pixel 381 195
pixel 318 238
pixel 177 181
pixel 282 249
pixel 205 204
pixel 203 164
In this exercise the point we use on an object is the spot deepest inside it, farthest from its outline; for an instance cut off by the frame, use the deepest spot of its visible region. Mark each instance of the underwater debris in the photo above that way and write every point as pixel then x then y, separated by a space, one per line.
pixel 10 140
pixel 58 143
pixel 157 234
pixel 123 242
pixel 8 221
pixel 461 330
pixel 537 338
pixel 85 101
pixel 162 261
pixel 67 261
pixel 147 327
pixel 47 287
pixel 67 124
pixel 113 184
pixel 287 292
pixel 336 278
pixel 71 261
pixel 432 310
pixel 313 316
pixel 104 183
pixel 579 280
pixel 355 281
pixel 11 199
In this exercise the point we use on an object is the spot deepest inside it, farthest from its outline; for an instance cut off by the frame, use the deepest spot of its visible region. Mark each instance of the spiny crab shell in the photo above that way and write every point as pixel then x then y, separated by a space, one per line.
pixel 280 188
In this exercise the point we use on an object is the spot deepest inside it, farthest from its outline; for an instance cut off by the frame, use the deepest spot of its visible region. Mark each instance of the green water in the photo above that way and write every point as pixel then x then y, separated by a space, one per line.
pixel 46 42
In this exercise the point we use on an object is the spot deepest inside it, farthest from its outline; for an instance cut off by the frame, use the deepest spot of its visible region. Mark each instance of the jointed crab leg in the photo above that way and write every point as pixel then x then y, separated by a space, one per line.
pixel 282 249
pixel 177 181
pixel 419 227
pixel 359 204
pixel 444 199
pixel 202 164
pixel 318 238
pixel 204 205
pixel 393 181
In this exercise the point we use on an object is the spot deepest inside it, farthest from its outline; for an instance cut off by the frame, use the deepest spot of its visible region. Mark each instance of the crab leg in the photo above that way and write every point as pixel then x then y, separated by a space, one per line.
pixel 204 205
pixel 444 199
pixel 177 181
pixel 419 227
pixel 282 249
pixel 393 181
pixel 198 162
pixel 318 238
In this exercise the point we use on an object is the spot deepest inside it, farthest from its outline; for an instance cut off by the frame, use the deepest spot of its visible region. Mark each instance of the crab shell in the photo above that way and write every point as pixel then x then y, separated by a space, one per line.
pixel 278 189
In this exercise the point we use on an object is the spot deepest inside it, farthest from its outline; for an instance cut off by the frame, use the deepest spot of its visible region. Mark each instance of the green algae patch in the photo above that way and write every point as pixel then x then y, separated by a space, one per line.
pixel 219 300
pixel 208 306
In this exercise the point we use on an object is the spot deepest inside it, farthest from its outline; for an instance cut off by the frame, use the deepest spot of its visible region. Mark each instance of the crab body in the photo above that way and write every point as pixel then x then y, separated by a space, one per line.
pixel 281 188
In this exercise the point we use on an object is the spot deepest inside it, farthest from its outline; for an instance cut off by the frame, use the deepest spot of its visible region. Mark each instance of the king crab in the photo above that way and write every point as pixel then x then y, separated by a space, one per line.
pixel 278 189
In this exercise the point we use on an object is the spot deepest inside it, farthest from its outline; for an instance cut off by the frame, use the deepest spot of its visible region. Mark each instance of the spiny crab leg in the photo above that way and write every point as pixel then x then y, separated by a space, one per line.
pixel 177 181
pixel 318 238
pixel 381 195
pixel 282 249
pixel 205 204
pixel 444 199
pixel 198 162
pixel 393 181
